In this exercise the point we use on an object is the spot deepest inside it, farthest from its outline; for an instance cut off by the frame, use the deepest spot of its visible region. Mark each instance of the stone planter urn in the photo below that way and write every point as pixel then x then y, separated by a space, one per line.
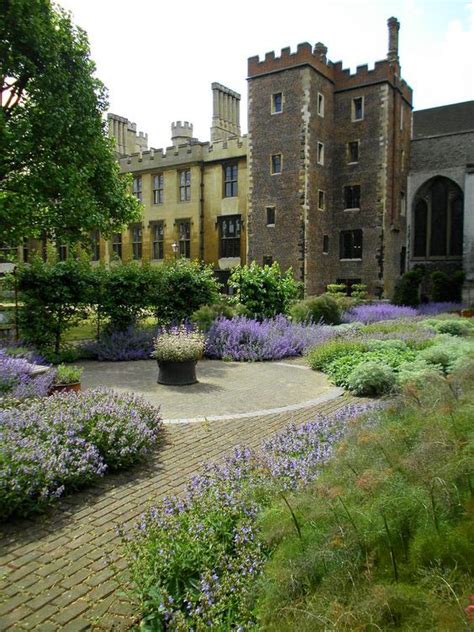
pixel 177 351
pixel 177 373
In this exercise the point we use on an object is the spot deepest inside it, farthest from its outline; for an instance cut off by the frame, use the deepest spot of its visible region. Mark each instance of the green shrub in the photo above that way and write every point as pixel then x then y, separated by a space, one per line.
pixel 341 367
pixel 447 352
pixel 125 293
pixel 407 289
pixel 359 291
pixel 374 345
pixel 324 308
pixel 55 296
pixel 418 373
pixel 67 374
pixel 446 288
pixel 183 288
pixel 264 291
pixel 337 289
pixel 321 356
pixel 206 315
pixel 452 326
pixel 371 379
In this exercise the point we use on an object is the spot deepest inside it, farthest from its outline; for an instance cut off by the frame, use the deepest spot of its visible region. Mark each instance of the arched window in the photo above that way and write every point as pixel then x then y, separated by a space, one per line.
pixel 421 228
pixel 438 220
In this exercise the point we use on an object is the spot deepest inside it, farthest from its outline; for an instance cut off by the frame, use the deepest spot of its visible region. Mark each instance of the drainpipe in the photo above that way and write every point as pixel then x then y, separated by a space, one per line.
pixel 201 215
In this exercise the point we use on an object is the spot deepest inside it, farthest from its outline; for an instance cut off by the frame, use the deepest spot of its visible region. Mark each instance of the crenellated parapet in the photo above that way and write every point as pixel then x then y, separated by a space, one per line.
pixel 304 56
pixel 181 155
pixel 386 70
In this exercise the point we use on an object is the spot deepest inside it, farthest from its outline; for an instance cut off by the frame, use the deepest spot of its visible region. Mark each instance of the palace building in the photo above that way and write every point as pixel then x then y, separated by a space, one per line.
pixel 336 178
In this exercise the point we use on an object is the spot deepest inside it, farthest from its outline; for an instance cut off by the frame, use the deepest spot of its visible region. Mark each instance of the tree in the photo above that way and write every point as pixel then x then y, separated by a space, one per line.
pixel 58 175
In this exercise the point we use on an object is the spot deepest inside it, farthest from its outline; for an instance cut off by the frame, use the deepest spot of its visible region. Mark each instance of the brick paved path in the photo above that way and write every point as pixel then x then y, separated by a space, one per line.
pixel 55 573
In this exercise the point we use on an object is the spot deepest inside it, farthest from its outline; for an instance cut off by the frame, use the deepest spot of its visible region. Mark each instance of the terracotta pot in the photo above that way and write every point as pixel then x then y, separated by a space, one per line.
pixel 65 388
pixel 467 313
pixel 177 373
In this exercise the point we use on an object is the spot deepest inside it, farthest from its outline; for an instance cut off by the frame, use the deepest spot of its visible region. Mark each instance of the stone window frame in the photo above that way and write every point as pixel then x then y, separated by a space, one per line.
pixel 424 195
pixel 184 237
pixel 272 172
pixel 320 153
pixel 355 119
pixel 229 246
pixel 357 240
pixel 95 244
pixel 321 200
pixel 136 240
pixel 231 181
pixel 137 187
pixel 157 239
pixel 184 185
pixel 325 244
pixel 351 186
pixel 321 104
pixel 348 151
pixel 158 188
pixel 63 252
pixel 117 245
pixel 273 109
pixel 268 212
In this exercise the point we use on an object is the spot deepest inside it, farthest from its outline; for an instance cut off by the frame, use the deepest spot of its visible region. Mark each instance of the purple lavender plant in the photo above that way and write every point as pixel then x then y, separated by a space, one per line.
pixel 17 379
pixel 60 443
pixel 201 555
pixel 377 311
pixel 432 309
pixel 245 339
pixel 132 344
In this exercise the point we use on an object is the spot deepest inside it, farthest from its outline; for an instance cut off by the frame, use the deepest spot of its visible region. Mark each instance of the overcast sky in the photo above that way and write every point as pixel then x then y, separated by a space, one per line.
pixel 158 58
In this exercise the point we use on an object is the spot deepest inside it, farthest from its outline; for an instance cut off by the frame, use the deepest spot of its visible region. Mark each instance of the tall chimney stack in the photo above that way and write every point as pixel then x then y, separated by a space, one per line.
pixel 225 112
pixel 393 28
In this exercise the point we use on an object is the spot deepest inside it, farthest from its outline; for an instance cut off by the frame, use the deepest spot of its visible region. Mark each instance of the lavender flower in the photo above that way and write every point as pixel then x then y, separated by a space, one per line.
pixel 201 555
pixel 63 442
pixel 132 344
pixel 432 309
pixel 378 311
pixel 245 339
pixel 18 380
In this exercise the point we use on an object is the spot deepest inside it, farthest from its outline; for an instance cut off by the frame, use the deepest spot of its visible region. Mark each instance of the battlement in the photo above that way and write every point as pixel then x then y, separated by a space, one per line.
pixel 385 70
pixel 185 125
pixel 179 156
pixel 382 71
pixel 304 55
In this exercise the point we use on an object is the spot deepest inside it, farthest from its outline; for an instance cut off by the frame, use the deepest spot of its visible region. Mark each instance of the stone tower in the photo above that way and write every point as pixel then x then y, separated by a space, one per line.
pixel 328 161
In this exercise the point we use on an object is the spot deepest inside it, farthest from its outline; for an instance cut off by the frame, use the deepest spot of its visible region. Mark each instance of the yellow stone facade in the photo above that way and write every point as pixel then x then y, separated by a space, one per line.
pixel 194 194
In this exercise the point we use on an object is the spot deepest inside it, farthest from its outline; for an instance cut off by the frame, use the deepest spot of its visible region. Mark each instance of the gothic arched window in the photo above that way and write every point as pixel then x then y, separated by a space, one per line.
pixel 438 220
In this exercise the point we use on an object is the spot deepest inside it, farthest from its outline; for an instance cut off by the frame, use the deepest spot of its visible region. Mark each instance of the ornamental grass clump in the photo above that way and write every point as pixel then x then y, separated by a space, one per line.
pixel 179 344
pixel 55 445
pixel 382 540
